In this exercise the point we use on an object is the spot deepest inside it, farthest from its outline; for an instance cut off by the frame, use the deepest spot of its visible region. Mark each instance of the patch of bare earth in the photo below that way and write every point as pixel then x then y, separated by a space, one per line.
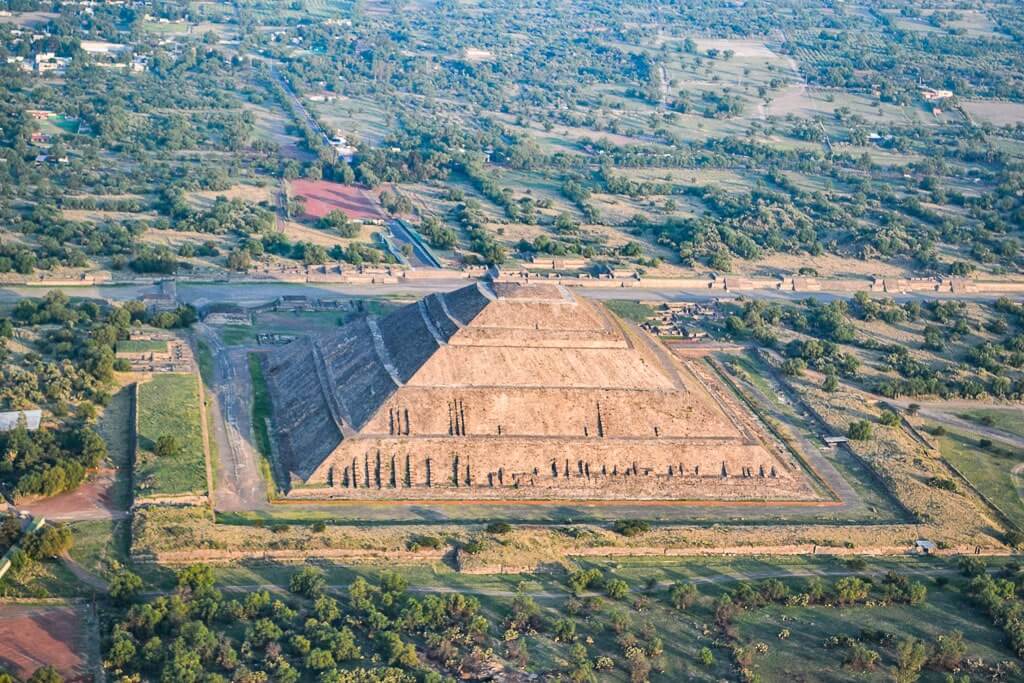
pixel 32 637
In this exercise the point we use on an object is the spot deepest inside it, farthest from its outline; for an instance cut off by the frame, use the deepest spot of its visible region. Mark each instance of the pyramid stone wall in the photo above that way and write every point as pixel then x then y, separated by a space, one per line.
pixel 503 390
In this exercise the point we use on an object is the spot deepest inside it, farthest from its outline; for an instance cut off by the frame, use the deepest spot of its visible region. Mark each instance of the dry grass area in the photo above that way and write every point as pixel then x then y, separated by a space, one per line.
pixel 297 232
pixel 248 193
pixel 995 112
pixel 97 216
pixel 905 467
pixel 740 46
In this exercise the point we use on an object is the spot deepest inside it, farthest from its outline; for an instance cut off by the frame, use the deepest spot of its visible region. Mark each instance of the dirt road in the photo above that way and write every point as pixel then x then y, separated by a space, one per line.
pixel 238 482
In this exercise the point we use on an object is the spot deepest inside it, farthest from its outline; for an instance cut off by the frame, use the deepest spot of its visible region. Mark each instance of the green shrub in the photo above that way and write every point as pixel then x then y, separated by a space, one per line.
pixel 631 527
pixel 859 430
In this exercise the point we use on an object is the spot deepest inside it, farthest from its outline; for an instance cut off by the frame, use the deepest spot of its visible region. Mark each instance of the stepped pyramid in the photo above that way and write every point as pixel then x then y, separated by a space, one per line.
pixel 502 391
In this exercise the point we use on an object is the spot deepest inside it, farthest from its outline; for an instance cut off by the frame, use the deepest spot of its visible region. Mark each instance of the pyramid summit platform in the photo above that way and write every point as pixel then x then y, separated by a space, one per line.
pixel 508 391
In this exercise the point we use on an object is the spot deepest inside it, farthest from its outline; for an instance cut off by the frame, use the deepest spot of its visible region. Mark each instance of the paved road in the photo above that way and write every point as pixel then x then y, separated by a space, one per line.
pixel 253 293
pixel 238 482
pixel 299 106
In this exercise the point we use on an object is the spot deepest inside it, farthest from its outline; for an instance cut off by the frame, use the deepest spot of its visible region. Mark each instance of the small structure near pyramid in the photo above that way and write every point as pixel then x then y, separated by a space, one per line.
pixel 508 391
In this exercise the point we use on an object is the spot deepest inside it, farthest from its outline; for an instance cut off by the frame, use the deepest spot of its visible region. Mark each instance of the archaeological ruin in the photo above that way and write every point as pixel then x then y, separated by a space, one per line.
pixel 507 391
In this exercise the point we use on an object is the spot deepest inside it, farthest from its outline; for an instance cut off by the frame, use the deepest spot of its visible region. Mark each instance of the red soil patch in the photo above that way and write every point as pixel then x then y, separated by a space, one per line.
pixel 91 500
pixel 323 196
pixel 31 637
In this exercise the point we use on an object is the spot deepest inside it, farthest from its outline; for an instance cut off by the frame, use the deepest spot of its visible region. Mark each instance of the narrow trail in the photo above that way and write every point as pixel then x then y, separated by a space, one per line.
pixel 83 574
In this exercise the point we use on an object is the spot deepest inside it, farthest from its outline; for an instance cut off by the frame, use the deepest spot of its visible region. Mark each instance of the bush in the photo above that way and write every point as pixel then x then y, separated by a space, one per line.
pixel 972 566
pixel 859 430
pixel 631 527
pixel 889 418
pixel 319 527
pixel 419 542
pixel 473 546
pixel 616 589
pixel 943 484
pixel 498 528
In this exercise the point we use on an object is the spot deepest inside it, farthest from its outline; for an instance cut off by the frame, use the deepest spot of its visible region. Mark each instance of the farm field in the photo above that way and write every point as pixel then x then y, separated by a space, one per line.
pixel 35 636
pixel 169 406
pixel 321 197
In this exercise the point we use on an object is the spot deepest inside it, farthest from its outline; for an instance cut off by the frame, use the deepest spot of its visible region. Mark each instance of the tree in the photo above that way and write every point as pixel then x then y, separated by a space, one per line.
pixel 45 674
pixel 564 631
pixel 308 581
pixel 831 383
pixel 239 259
pixel 48 542
pixel 683 595
pixel 125 586
pixel 197 578
pixel 911 656
pixel 338 221
pixel 889 418
pixel 166 446
pixel 949 651
pixel 861 658
pixel 851 590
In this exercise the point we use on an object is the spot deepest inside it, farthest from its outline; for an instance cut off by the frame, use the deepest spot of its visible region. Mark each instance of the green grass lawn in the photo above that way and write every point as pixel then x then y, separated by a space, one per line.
pixel 169 404
pixel 987 470
pixel 630 310
pixel 236 335
pixel 205 359
pixel 100 543
pixel 142 346
pixel 157 27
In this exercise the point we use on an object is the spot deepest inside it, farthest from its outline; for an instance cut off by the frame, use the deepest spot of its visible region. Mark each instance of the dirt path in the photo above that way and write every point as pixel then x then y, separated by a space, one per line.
pixel 239 484
pixel 942 412
pixel 84 575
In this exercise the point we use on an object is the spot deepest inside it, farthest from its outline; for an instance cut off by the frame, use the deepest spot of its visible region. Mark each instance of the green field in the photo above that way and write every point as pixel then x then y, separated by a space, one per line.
pixel 169 404
pixel 1009 420
pixel 633 311
pixel 157 27
pixel 205 359
pixel 988 471
pixel 142 346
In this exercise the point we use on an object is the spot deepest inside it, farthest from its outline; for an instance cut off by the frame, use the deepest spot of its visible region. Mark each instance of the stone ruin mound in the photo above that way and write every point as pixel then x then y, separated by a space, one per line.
pixel 504 391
